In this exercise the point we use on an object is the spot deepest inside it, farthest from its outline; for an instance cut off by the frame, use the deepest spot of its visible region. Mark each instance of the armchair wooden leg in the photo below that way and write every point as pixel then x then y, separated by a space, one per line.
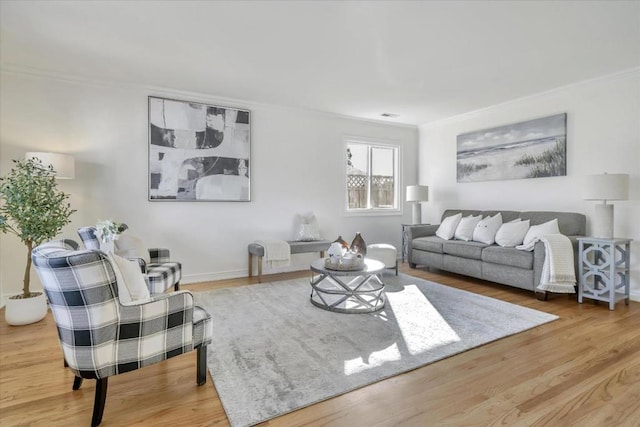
pixel 176 287
pixel 201 374
pixel 77 382
pixel 98 401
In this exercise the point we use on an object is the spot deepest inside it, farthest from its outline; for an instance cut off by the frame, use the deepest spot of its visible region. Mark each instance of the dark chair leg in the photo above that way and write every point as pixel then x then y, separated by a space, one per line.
pixel 66 365
pixel 98 401
pixel 176 287
pixel 201 374
pixel 77 382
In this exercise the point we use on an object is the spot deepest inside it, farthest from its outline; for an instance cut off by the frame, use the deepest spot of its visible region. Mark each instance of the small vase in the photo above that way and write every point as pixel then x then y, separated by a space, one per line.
pixel 358 245
pixel 343 242
pixel 107 247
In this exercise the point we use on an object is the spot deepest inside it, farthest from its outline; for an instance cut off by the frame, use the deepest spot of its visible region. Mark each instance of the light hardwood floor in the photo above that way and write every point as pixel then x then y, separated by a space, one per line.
pixel 582 370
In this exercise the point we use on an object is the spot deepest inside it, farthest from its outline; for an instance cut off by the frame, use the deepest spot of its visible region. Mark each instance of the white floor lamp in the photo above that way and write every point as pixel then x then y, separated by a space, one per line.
pixel 417 194
pixel 63 164
pixel 614 186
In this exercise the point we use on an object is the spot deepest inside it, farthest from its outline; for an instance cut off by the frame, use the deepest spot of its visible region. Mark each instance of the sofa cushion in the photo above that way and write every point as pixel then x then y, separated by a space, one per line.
pixel 448 226
pixel 429 244
pixel 462 249
pixel 486 229
pixel 535 232
pixel 511 234
pixel 508 256
pixel 464 230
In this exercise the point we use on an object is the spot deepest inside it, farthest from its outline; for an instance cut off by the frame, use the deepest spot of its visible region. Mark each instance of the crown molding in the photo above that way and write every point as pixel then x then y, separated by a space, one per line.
pixel 179 93
pixel 471 114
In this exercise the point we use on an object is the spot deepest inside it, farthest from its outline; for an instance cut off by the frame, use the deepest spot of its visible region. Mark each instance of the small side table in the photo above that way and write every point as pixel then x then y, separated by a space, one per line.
pixel 405 239
pixel 604 269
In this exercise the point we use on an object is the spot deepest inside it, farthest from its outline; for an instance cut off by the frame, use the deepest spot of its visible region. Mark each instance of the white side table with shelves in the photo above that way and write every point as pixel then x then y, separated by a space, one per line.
pixel 604 269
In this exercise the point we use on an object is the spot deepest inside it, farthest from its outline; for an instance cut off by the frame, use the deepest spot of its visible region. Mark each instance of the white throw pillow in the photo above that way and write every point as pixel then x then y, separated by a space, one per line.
pixel 448 227
pixel 128 246
pixel 464 230
pixel 511 234
pixel 537 231
pixel 486 229
pixel 132 287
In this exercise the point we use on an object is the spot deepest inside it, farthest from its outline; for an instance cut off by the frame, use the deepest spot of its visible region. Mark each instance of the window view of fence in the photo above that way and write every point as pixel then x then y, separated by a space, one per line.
pixel 382 191
pixel 371 174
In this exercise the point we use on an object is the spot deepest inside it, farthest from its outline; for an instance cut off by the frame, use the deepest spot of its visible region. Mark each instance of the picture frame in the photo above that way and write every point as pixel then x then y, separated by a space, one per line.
pixel 198 152
pixel 531 149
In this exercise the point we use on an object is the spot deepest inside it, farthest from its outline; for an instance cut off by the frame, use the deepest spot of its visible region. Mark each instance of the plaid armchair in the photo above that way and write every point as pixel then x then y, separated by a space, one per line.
pixel 99 336
pixel 161 274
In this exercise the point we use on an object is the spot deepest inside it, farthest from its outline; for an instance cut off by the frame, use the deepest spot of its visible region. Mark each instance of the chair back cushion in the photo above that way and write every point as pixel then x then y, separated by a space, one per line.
pixel 89 238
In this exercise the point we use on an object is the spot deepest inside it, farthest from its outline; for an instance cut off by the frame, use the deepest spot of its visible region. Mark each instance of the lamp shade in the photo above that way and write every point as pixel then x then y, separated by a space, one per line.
pixel 613 186
pixel 63 164
pixel 417 193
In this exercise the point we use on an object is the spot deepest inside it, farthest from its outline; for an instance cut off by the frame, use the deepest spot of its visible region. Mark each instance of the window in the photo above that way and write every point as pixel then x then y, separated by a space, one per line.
pixel 372 177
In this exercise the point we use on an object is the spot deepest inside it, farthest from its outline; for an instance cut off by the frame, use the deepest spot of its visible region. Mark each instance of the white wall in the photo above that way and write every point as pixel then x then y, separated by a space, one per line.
pixel 296 166
pixel 603 135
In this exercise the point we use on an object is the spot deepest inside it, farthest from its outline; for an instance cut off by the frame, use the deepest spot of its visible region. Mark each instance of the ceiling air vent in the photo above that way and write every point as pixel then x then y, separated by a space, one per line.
pixel 391 115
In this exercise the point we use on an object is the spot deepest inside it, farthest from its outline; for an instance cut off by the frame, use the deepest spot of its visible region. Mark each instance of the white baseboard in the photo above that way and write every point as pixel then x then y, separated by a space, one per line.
pixel 634 295
pixel 210 277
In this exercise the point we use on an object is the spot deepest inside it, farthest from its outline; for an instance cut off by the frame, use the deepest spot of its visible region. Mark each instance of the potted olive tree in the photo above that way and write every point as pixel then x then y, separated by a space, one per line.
pixel 32 208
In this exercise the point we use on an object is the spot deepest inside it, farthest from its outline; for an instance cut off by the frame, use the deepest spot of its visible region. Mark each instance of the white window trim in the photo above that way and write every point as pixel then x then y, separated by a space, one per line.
pixel 398 181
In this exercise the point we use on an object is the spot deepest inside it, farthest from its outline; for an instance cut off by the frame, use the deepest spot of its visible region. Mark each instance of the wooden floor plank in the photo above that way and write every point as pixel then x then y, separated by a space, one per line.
pixel 582 370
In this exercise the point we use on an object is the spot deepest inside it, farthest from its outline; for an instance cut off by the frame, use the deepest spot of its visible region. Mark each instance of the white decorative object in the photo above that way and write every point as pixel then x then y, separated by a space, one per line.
pixel 63 164
pixel 448 227
pixel 605 187
pixel 307 228
pixel 486 229
pixel 107 231
pixel 336 250
pixel 511 234
pixel 464 230
pixel 128 246
pixel 349 261
pixel 417 194
pixel 24 311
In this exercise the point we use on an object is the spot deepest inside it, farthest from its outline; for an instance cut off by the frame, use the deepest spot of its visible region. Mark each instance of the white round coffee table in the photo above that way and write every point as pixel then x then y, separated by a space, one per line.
pixel 348 291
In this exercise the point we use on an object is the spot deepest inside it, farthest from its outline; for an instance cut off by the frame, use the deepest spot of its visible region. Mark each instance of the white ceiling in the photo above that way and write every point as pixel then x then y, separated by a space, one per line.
pixel 422 60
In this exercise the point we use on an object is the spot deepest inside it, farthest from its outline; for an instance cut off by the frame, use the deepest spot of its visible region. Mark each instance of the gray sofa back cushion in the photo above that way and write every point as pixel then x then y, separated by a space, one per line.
pixel 569 223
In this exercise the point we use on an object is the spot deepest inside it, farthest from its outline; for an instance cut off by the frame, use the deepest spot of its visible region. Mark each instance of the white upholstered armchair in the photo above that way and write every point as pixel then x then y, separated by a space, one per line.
pixel 100 336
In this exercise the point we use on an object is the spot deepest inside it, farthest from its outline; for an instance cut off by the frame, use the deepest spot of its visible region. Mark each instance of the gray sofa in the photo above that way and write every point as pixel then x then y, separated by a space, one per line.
pixel 508 266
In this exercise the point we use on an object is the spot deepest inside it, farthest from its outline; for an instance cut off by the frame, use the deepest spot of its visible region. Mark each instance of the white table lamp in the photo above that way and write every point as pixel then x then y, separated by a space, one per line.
pixel 614 186
pixel 63 164
pixel 417 194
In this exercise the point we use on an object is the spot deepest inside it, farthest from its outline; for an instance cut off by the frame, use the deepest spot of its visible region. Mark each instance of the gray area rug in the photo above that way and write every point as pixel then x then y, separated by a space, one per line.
pixel 274 352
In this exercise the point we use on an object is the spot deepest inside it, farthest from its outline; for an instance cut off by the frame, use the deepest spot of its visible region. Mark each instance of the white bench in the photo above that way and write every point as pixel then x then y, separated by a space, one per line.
pixel 297 247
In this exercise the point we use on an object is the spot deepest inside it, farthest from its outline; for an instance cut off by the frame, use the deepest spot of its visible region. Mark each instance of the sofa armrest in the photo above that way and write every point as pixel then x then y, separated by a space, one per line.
pixel 415 231
pixel 538 259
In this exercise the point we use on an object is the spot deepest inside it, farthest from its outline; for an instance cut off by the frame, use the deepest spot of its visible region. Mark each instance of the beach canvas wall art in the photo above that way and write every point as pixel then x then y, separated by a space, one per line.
pixel 531 149
pixel 198 152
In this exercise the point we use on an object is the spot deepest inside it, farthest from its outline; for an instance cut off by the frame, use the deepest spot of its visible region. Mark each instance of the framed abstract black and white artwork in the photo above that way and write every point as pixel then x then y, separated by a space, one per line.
pixel 530 149
pixel 198 152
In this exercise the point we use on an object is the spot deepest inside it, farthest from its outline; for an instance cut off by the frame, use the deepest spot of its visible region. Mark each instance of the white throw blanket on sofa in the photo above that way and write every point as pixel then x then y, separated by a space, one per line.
pixel 277 253
pixel 558 274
